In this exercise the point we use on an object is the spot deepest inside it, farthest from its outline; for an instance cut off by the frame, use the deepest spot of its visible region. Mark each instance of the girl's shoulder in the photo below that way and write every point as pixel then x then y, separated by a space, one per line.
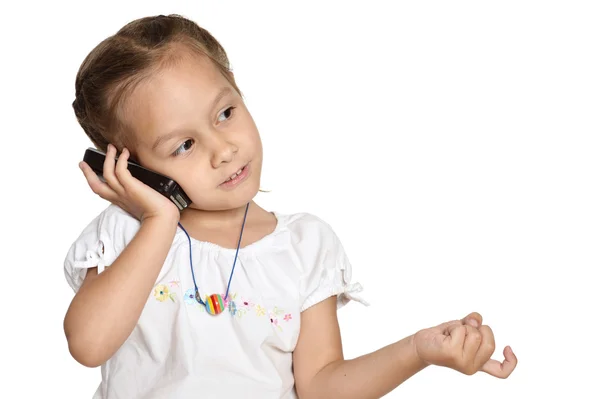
pixel 114 215
pixel 308 236
pixel 115 225
pixel 305 226
pixel 99 243
pixel 325 268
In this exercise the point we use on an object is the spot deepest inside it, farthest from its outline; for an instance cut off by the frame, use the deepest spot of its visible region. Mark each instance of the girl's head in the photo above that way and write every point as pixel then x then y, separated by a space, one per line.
pixel 162 87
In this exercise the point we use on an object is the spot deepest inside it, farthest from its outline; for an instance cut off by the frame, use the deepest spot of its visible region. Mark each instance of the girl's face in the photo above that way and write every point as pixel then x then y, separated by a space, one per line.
pixel 190 124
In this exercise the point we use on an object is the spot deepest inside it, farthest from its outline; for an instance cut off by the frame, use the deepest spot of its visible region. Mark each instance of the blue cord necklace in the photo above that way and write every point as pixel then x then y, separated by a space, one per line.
pixel 214 304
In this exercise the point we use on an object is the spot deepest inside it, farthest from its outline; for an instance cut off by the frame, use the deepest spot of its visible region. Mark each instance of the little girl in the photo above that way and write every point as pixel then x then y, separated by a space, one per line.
pixel 222 299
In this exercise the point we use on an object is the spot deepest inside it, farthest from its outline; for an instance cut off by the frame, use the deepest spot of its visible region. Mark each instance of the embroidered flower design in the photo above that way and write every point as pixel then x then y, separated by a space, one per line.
pixel 161 293
pixel 260 311
pixel 275 322
pixel 274 317
pixel 276 311
pixel 245 303
pixel 239 307
pixel 232 308
pixel 190 297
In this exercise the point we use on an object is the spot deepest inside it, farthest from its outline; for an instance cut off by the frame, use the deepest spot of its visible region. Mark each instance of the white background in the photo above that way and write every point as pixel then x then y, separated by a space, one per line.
pixel 453 146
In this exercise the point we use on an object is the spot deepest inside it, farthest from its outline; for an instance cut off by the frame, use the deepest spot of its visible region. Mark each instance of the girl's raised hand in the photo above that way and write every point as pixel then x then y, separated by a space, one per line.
pixel 463 345
pixel 127 192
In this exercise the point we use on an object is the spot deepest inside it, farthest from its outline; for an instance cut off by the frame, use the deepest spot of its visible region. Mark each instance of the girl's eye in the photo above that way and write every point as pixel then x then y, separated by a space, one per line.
pixel 183 147
pixel 228 111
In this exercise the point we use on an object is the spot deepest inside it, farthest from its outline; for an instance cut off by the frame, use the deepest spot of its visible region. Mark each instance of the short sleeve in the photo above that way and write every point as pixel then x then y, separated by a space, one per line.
pixel 98 245
pixel 327 269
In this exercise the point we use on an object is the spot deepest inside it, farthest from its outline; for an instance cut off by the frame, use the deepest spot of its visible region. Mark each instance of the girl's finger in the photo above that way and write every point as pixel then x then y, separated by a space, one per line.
pixel 108 170
pixel 123 174
pixel 487 346
pixel 504 369
pixel 474 319
pixel 472 344
pixel 458 334
pixel 98 186
pixel 447 326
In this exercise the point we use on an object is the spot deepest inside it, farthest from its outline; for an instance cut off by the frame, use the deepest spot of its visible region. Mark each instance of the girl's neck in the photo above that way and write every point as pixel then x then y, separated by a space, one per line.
pixel 223 227
pixel 224 219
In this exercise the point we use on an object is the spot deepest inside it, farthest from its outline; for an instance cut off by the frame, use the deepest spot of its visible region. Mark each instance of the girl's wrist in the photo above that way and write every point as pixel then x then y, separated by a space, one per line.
pixel 415 357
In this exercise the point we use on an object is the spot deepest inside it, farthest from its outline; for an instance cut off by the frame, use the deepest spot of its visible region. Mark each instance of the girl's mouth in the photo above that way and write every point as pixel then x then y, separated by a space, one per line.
pixel 236 178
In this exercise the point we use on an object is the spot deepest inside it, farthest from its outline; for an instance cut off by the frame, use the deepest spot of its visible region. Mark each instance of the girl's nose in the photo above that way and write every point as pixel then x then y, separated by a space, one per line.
pixel 223 152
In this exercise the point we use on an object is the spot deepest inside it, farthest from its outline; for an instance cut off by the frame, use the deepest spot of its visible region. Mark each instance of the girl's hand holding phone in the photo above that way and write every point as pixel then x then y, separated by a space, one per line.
pixel 127 192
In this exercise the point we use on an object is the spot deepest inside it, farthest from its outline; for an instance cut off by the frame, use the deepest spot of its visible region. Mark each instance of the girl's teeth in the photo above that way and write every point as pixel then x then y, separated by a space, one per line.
pixel 233 176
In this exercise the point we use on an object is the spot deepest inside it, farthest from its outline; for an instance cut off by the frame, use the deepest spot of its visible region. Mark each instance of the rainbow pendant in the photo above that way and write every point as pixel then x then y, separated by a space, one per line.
pixel 214 304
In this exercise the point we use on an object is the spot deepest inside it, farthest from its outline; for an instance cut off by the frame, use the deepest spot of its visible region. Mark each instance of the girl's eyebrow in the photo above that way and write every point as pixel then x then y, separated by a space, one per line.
pixel 166 137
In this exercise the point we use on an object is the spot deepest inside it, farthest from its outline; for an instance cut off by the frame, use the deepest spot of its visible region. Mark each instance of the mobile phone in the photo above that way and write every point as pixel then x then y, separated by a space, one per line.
pixel 161 183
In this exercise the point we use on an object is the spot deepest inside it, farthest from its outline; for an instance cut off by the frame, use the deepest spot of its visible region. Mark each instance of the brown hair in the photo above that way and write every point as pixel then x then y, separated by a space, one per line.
pixel 120 62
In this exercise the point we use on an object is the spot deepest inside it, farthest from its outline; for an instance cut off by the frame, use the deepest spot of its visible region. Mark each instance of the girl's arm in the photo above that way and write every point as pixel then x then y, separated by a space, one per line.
pixel 108 305
pixel 321 371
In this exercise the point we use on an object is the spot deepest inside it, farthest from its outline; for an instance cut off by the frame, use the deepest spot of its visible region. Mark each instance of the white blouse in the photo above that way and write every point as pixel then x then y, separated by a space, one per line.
pixel 177 349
